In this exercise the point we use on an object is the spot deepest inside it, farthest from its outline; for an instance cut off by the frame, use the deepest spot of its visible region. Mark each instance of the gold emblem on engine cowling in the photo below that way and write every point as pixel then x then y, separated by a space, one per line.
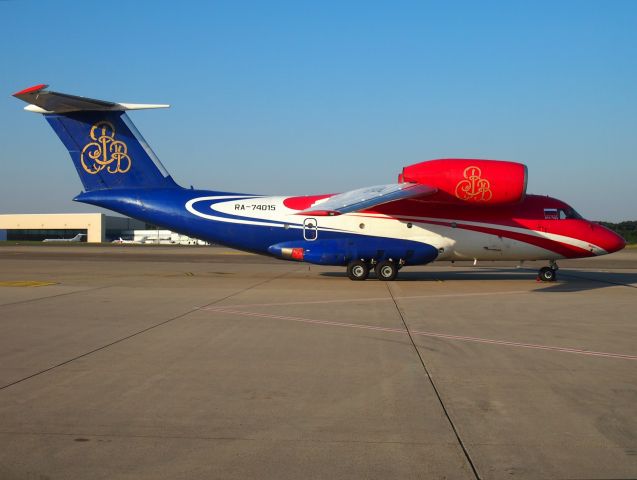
pixel 104 152
pixel 474 187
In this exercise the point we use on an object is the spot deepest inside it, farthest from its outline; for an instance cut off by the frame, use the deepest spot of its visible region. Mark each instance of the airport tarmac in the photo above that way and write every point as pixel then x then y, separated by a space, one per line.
pixel 137 362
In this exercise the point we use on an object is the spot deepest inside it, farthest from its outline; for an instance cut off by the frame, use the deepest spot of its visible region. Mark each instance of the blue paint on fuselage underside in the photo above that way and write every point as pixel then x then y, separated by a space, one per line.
pixel 165 207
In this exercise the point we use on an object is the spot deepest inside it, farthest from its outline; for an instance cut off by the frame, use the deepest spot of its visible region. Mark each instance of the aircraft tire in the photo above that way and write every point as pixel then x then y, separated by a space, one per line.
pixel 547 274
pixel 386 270
pixel 357 270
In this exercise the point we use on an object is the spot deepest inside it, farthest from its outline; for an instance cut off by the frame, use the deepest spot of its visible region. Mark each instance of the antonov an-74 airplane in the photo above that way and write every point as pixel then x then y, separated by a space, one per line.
pixel 452 209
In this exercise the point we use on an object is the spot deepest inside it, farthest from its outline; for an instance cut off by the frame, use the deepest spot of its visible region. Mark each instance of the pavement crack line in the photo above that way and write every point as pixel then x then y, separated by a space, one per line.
pixel 215 438
pixel 433 385
pixel 29 300
pixel 144 330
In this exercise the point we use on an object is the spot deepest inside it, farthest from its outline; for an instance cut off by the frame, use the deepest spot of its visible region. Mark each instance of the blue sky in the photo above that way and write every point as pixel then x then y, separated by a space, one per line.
pixel 312 97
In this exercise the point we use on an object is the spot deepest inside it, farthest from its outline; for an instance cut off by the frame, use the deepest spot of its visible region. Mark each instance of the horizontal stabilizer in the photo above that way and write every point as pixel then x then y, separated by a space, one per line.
pixel 106 148
pixel 368 197
pixel 44 101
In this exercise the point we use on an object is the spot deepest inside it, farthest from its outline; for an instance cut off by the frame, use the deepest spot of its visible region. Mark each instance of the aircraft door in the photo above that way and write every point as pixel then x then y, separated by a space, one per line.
pixel 310 229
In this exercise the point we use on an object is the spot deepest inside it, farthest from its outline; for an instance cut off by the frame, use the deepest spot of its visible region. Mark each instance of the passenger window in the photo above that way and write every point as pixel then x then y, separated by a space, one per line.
pixel 310 229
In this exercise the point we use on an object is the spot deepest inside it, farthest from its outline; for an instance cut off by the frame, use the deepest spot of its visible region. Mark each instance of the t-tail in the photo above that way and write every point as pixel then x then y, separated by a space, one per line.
pixel 107 150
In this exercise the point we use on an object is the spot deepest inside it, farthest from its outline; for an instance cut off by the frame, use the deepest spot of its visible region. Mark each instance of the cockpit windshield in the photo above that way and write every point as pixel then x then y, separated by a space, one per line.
pixel 561 214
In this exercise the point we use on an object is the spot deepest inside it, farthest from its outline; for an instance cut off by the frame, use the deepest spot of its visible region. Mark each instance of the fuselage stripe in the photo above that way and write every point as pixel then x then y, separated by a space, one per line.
pixel 565 246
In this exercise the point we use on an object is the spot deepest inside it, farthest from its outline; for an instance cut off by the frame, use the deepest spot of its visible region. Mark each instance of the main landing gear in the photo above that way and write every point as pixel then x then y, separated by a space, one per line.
pixel 386 270
pixel 548 274
pixel 357 270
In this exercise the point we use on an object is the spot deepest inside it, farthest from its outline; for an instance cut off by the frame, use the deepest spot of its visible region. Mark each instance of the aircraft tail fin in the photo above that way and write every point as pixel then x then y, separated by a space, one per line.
pixel 106 148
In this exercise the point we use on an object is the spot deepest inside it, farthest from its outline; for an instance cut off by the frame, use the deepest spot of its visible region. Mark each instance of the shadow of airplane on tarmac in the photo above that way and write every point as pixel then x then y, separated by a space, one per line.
pixel 568 280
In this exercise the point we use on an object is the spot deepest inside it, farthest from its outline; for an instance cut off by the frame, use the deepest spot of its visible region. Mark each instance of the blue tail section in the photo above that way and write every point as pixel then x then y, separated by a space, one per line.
pixel 108 151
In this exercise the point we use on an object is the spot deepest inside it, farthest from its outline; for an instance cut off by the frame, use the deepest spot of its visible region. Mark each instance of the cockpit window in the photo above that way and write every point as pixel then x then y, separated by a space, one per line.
pixel 569 213
pixel 561 214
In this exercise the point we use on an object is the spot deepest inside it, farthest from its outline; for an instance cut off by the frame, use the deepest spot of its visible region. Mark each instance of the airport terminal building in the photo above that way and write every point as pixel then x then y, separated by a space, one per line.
pixel 36 227
pixel 96 228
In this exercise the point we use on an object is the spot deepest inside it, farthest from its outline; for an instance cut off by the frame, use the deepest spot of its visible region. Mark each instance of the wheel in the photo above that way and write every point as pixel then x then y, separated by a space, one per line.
pixel 386 270
pixel 357 270
pixel 547 274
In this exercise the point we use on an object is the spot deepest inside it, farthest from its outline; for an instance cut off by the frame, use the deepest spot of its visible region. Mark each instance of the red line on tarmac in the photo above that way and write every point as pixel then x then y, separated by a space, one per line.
pixel 304 320
pixel 577 351
pixel 380 299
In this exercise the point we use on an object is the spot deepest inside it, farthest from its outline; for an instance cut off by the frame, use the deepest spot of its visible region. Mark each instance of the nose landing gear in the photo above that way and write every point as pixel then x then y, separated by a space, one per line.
pixel 548 274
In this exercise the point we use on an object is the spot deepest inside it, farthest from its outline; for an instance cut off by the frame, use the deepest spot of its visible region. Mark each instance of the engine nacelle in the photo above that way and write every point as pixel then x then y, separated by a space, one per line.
pixel 486 182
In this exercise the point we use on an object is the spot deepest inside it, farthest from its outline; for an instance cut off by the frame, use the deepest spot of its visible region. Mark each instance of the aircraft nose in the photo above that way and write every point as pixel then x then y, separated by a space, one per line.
pixel 608 240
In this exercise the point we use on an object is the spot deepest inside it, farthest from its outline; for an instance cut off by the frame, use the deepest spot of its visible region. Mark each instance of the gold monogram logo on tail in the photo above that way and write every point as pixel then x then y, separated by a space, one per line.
pixel 104 152
pixel 474 187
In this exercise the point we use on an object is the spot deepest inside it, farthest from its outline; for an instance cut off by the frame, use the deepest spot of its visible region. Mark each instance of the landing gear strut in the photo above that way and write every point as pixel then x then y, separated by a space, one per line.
pixel 548 274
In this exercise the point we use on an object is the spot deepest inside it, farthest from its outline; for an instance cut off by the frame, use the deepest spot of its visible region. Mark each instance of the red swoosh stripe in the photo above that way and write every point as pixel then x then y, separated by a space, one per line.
pixel 564 249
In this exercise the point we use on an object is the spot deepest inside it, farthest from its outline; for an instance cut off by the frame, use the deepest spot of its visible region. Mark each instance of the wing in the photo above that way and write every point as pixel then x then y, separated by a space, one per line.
pixel 44 101
pixel 368 197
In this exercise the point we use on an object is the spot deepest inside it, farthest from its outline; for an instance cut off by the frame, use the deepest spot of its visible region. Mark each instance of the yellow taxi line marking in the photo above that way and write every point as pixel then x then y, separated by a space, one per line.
pixel 25 283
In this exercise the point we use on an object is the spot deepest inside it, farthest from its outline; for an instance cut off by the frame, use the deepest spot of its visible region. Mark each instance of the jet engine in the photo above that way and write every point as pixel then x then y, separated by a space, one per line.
pixel 483 182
